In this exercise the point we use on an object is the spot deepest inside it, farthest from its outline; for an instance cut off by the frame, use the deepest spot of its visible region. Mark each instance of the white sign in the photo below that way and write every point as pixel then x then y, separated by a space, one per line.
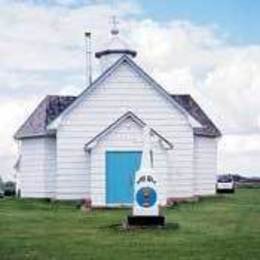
pixel 145 187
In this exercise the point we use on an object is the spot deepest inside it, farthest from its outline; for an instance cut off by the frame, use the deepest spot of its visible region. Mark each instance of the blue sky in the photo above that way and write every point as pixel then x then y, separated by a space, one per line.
pixel 239 19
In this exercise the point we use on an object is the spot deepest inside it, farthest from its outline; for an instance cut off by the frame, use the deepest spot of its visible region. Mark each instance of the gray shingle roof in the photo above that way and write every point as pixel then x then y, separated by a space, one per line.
pixel 188 103
pixel 52 106
pixel 48 109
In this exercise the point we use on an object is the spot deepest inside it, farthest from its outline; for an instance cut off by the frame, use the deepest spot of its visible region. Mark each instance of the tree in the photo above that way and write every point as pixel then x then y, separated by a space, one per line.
pixel 1 184
pixel 9 188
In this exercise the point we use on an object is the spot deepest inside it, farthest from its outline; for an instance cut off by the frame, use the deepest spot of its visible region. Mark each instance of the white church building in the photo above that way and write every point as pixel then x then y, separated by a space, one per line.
pixel 90 146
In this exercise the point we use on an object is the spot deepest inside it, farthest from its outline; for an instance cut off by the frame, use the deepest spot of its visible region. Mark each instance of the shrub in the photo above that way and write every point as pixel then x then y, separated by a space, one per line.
pixel 9 188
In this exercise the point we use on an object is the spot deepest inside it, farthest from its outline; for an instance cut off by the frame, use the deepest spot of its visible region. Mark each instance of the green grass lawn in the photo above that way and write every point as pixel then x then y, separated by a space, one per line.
pixel 225 227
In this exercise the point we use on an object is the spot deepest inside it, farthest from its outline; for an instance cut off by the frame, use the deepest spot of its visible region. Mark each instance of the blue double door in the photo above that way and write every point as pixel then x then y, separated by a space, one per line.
pixel 120 173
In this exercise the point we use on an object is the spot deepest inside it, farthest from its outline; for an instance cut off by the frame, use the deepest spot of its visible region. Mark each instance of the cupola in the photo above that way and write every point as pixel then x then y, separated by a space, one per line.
pixel 114 49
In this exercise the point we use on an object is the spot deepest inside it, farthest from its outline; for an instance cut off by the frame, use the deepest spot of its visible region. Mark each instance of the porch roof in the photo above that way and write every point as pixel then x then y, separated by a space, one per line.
pixel 93 142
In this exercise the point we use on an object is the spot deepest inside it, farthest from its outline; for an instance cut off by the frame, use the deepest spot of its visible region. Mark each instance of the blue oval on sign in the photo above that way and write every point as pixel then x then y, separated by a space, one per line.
pixel 146 197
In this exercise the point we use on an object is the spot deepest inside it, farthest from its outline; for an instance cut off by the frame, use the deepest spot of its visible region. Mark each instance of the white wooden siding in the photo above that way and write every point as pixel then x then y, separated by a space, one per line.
pixel 38 167
pixel 107 60
pixel 122 91
pixel 205 163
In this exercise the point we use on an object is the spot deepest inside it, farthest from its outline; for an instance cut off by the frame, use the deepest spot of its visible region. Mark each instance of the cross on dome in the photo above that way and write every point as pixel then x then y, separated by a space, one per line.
pixel 115 48
pixel 114 31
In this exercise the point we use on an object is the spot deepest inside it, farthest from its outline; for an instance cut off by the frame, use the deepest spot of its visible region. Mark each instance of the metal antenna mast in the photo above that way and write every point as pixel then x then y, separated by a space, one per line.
pixel 88 58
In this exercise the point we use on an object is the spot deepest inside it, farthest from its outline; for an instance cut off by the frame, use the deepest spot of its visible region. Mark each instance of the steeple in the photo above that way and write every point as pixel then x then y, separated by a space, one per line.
pixel 115 48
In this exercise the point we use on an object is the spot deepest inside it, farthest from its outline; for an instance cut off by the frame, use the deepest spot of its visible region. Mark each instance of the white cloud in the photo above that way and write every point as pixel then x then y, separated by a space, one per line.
pixel 42 52
pixel 12 114
pixel 240 154
pixel 192 59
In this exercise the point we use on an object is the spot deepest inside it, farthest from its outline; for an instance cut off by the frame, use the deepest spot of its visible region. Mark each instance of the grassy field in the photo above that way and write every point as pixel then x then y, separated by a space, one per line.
pixel 225 227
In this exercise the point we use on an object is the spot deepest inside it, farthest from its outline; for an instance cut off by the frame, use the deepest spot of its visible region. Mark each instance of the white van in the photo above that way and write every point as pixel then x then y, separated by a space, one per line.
pixel 225 184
